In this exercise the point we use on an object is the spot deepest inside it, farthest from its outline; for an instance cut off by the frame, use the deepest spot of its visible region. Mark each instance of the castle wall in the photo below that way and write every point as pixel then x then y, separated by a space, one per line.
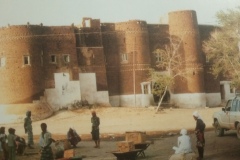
pixel 111 47
pixel 90 52
pixel 213 83
pixel 118 54
pixel 183 28
pixel 22 79
pixel 133 42
pixel 158 38
pixel 37 44
pixel 59 43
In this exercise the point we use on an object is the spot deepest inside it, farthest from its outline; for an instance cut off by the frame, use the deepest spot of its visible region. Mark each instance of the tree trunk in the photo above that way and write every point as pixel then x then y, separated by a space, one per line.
pixel 160 102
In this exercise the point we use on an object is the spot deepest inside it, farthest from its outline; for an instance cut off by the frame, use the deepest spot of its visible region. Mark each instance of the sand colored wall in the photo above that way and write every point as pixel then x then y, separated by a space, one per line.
pixel 21 83
pixel 183 28
pixel 98 48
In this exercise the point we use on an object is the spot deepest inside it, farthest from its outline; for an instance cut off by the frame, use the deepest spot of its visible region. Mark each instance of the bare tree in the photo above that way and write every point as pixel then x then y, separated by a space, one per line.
pixel 172 65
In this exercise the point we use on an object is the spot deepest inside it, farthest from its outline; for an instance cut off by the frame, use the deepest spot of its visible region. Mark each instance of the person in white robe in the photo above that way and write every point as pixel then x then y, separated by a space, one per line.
pixel 184 143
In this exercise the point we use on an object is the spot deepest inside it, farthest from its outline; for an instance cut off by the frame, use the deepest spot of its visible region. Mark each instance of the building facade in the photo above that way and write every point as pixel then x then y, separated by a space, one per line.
pixel 104 62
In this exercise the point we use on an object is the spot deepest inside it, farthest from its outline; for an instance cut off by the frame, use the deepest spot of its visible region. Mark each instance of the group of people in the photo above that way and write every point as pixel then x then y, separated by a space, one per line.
pixel 11 144
pixel 184 141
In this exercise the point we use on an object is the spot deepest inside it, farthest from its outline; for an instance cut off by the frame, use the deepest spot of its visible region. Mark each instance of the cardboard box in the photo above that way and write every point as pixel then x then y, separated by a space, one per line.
pixel 73 154
pixel 69 153
pixel 136 137
pixel 125 146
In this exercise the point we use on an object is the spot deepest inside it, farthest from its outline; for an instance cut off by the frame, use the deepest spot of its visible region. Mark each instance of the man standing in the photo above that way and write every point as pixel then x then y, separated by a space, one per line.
pixel 45 142
pixel 28 128
pixel 95 129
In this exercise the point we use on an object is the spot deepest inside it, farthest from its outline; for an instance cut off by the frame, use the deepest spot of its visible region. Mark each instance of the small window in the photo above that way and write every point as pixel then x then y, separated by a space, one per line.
pixel 124 57
pixel 2 61
pixel 53 59
pixel 66 58
pixel 158 57
pixel 145 89
pixel 26 60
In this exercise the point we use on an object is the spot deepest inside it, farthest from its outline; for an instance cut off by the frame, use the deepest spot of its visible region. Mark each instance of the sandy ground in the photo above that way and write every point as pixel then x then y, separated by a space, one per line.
pixel 119 120
pixel 162 127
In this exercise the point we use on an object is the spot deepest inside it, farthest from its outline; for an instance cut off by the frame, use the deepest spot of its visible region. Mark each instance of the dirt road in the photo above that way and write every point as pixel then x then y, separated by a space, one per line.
pixel 217 148
pixel 162 127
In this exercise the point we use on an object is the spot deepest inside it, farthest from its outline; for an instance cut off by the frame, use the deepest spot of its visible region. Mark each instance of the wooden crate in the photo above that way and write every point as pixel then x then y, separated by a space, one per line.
pixel 125 146
pixel 74 153
pixel 135 137
pixel 69 153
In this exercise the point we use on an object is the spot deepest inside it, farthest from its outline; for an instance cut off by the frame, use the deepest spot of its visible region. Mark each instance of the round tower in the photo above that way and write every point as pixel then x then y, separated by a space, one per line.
pixel 22 78
pixel 133 52
pixel 183 30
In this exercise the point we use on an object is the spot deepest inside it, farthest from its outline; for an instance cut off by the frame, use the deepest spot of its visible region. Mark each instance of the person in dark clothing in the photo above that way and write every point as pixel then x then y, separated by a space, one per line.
pixel 73 137
pixel 20 144
pixel 199 131
pixel 3 140
pixel 95 129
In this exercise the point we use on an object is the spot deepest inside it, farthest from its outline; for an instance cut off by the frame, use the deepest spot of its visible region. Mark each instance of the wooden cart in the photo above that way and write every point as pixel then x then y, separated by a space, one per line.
pixel 130 155
pixel 142 146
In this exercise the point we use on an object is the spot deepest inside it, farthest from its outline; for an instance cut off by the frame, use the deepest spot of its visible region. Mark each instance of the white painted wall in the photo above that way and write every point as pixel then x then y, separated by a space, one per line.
pixel 138 100
pixel 147 100
pixel 189 100
pixel 213 99
pixel 64 93
pixel 226 86
pixel 102 97
pixel 88 86
pixel 114 101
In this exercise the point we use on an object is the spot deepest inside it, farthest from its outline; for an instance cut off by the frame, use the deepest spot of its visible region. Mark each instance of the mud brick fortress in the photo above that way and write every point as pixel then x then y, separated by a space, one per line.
pixel 103 63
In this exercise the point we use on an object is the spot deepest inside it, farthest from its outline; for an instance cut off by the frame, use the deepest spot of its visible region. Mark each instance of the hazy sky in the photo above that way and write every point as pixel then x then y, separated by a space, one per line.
pixel 66 12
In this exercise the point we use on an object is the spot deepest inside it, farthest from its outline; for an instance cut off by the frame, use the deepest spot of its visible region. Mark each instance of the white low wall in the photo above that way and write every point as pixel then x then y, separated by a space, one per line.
pixel 189 100
pixel 102 97
pixel 88 86
pixel 66 92
pixel 213 99
pixel 138 100
pixel 227 89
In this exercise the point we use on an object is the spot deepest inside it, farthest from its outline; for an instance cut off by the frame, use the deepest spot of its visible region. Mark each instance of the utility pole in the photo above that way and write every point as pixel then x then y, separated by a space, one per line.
pixel 134 76
pixel 238 33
